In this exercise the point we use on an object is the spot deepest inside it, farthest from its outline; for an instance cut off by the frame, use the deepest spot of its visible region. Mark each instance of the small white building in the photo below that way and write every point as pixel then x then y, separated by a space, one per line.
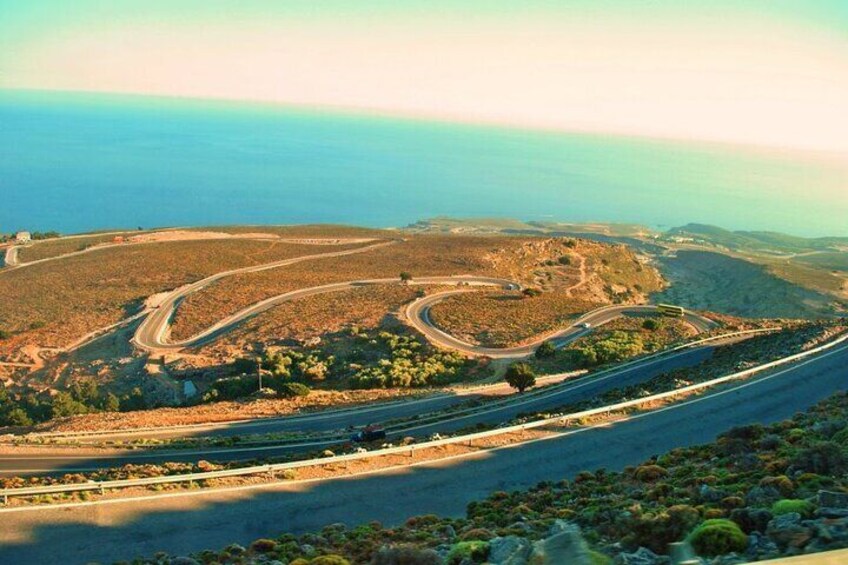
pixel 23 237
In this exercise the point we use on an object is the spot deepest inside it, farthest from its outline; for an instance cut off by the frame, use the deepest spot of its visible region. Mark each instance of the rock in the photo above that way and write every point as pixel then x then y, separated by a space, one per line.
pixel 509 550
pixel 443 550
pixel 762 496
pixel 833 499
pixel 183 561
pixel 642 556
pixel 751 519
pixel 709 494
pixel 560 526
pixel 788 532
pixel 307 549
pixel 235 549
pixel 447 531
pixel 761 547
pixel 567 546
pixel 827 512
pixel 521 526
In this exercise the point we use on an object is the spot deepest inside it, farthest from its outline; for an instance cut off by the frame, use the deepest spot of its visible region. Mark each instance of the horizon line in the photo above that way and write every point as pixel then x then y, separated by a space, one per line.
pixel 446 118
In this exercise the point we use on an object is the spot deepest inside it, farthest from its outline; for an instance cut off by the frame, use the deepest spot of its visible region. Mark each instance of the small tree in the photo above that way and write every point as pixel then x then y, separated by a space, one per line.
pixel 546 349
pixel 405 276
pixel 531 292
pixel 520 376
pixel 651 324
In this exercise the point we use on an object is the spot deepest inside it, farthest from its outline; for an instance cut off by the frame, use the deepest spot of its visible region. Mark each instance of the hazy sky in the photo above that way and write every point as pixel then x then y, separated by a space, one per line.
pixel 771 72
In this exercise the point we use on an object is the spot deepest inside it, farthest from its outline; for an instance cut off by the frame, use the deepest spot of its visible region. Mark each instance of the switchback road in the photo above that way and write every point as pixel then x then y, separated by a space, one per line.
pixel 180 523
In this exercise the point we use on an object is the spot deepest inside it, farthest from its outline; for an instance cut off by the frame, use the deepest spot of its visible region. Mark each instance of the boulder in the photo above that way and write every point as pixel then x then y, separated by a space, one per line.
pixel 751 519
pixel 509 550
pixel 788 532
pixel 761 547
pixel 830 499
pixel 447 531
pixel 642 556
pixel 762 496
pixel 183 561
pixel 566 546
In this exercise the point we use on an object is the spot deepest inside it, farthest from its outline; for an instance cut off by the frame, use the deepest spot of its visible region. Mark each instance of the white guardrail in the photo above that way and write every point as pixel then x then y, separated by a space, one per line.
pixel 272 469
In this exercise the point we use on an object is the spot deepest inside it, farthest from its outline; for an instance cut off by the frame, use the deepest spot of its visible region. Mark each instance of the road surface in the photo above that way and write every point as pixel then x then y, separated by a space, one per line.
pixel 151 334
pixel 10 258
pixel 418 314
pixel 182 523
pixel 61 461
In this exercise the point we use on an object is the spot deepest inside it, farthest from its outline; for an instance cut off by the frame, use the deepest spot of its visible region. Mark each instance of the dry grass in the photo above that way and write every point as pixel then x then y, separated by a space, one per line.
pixel 612 274
pixel 496 319
pixel 420 255
pixel 52 304
pixel 226 411
pixel 55 247
pixel 531 261
pixel 365 308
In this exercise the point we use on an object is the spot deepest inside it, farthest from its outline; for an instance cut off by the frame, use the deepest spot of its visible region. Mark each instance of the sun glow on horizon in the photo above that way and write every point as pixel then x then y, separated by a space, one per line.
pixel 671 71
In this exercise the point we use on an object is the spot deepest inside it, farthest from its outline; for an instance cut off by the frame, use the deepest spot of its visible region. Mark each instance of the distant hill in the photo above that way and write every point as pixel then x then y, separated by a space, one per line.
pixel 757 240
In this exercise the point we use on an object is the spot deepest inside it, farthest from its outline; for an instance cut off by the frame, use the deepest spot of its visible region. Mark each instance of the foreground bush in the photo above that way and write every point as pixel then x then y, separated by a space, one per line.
pixel 802 507
pixel 710 495
pixel 474 550
pixel 717 537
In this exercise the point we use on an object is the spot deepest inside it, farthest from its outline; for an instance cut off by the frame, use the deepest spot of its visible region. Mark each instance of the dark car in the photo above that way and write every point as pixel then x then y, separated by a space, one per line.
pixel 368 433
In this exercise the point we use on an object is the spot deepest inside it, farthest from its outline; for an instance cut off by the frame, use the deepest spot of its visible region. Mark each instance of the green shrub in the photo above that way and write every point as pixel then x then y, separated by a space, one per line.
pixel 479 534
pixel 651 324
pixel 656 531
pixel 292 390
pixel 787 506
pixel 650 473
pixel 823 458
pixel 329 560
pixel 598 558
pixel 474 550
pixel 546 349
pixel 718 537
pixel 520 376
pixel 782 483
pixel 263 546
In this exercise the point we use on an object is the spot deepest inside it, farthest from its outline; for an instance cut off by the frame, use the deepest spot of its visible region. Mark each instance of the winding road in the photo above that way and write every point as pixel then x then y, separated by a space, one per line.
pixel 54 460
pixel 153 333
pixel 10 258
pixel 184 522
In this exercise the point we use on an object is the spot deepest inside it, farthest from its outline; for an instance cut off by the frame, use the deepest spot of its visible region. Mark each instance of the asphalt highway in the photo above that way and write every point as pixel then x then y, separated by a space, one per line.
pixel 418 314
pixel 60 461
pixel 181 523
pixel 151 334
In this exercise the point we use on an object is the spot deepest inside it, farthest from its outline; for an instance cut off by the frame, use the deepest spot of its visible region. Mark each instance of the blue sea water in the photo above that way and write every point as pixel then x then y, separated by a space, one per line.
pixel 74 162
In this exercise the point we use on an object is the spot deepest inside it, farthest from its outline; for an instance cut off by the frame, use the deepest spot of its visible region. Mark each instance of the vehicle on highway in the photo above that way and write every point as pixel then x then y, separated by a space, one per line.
pixel 584 325
pixel 368 433
pixel 670 310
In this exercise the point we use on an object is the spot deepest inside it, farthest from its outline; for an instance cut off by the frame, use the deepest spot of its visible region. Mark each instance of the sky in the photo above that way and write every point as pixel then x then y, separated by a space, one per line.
pixel 763 72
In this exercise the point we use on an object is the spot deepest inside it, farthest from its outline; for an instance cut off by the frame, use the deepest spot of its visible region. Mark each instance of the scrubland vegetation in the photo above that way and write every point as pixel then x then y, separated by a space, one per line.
pixel 753 492
pixel 354 359
pixel 56 247
pixel 52 304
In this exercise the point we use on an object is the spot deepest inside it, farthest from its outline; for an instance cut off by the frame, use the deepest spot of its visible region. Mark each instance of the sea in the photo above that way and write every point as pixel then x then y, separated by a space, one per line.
pixel 81 162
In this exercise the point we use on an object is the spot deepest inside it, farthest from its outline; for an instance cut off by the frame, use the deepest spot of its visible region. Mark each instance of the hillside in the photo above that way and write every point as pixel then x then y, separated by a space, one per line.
pixel 773 242
pixel 755 493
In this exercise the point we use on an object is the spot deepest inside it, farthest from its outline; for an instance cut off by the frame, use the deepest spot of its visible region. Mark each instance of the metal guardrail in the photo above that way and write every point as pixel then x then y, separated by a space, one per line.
pixel 102 486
